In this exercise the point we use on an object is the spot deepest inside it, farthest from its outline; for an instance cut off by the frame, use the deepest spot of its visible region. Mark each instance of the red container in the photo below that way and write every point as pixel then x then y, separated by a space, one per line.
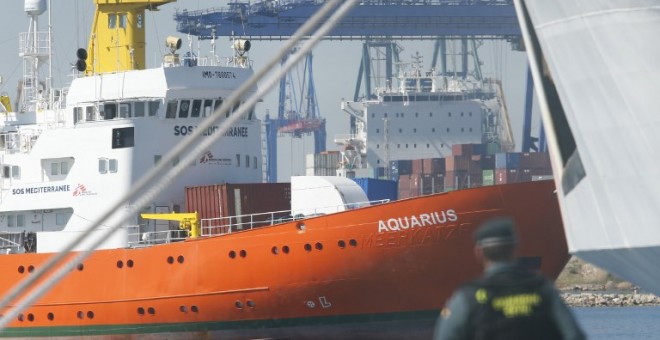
pixel 224 200
pixel 531 160
pixel 417 166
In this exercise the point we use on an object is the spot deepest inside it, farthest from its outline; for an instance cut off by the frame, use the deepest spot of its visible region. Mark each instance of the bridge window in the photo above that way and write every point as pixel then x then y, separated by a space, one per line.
pixel 89 113
pixel 77 114
pixel 208 108
pixel 11 221
pixel 109 111
pixel 125 110
pixel 183 108
pixel 238 160
pixel 254 162
pixel 64 168
pixel 247 161
pixel 123 138
pixel 62 218
pixel 15 171
pixel 157 159
pixel 153 107
pixel 6 171
pixel 171 109
pixel 54 168
pixel 138 109
pixel 218 103
pixel 196 108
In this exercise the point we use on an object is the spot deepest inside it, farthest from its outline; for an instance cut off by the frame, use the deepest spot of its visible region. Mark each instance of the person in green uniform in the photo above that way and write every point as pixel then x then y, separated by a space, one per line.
pixel 508 301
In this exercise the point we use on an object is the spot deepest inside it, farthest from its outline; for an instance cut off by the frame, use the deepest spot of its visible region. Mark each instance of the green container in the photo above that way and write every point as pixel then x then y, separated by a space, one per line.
pixel 488 177
pixel 492 148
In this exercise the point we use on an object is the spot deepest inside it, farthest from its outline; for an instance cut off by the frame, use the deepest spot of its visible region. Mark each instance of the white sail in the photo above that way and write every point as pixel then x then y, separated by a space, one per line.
pixel 602 59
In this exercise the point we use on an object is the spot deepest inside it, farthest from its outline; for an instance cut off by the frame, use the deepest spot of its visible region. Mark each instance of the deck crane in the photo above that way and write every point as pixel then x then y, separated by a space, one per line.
pixel 375 22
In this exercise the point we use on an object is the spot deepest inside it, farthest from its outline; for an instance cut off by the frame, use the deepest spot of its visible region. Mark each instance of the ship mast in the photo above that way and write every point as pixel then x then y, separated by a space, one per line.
pixel 35 49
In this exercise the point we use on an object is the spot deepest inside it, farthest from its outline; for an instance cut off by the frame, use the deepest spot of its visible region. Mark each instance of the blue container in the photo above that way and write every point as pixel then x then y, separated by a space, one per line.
pixel 378 189
pixel 508 160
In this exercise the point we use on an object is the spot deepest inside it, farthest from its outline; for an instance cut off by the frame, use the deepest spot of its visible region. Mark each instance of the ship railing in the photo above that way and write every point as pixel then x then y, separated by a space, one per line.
pixel 229 224
pixel 11 242
pixel 137 238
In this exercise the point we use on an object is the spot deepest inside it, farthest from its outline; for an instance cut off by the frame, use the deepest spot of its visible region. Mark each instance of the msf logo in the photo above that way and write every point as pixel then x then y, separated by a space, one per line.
pixel 206 157
pixel 79 190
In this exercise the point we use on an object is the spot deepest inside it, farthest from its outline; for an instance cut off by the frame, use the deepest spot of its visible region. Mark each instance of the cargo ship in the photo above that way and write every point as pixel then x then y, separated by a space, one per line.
pixel 323 268
pixel 602 139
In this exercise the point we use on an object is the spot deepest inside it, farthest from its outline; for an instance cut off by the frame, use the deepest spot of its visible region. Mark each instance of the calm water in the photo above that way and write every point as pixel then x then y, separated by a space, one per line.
pixel 620 322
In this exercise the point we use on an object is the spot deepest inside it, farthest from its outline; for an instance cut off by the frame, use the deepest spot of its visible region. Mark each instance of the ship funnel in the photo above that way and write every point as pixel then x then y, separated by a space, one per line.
pixel 241 45
pixel 35 7
pixel 173 43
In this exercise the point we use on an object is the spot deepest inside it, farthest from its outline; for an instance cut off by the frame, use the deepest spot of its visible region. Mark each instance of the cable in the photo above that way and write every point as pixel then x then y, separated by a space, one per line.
pixel 194 139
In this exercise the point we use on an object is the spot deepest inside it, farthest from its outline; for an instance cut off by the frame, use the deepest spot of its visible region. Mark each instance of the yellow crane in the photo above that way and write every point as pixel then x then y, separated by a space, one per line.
pixel 117 41
pixel 187 221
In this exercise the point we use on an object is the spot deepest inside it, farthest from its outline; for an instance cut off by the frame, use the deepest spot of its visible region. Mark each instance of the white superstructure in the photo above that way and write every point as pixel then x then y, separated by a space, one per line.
pixel 596 68
pixel 420 116
pixel 66 154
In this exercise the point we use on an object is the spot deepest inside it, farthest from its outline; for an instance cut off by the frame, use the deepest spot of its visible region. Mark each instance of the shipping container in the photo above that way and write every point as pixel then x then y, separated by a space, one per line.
pixel 226 200
pixel 531 160
pixel 507 160
pixel 378 189
pixel 402 167
pixel 492 149
pixel 433 166
pixel 417 166
pixel 487 162
pixel 467 149
pixel 488 177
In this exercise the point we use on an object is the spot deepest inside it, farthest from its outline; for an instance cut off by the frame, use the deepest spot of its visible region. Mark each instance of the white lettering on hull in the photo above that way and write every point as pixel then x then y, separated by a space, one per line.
pixel 417 221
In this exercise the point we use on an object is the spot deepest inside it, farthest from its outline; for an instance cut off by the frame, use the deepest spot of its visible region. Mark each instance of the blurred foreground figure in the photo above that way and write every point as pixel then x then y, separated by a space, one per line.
pixel 509 301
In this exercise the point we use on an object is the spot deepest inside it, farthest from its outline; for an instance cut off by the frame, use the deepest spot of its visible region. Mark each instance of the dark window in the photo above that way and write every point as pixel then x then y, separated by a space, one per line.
pixel 122 138
pixel 109 111
pixel 196 108
pixel 183 108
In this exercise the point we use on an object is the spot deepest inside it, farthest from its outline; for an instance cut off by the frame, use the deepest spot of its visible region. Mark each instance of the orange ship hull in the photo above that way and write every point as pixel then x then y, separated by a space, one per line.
pixel 381 271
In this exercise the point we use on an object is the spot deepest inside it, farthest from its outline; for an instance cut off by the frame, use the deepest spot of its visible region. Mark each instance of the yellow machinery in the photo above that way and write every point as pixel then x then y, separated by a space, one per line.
pixel 117 42
pixel 187 221
pixel 6 103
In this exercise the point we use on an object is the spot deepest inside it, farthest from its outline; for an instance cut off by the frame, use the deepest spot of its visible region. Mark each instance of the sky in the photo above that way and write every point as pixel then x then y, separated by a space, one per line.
pixel 335 65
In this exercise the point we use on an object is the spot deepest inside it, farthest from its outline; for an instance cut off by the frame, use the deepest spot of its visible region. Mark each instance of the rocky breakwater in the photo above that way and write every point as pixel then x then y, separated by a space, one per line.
pixel 605 299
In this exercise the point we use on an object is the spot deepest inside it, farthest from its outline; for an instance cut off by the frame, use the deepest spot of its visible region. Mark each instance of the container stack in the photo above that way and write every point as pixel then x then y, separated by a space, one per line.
pixel 470 165
pixel 420 176
pixel 378 189
pixel 322 164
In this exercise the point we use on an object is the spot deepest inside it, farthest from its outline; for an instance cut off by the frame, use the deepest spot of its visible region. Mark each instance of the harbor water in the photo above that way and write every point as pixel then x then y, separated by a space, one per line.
pixel 619 322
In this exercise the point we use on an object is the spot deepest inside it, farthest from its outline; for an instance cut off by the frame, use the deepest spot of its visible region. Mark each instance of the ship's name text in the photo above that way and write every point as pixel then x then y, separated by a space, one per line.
pixel 236 131
pixel 38 190
pixel 417 221
pixel 218 74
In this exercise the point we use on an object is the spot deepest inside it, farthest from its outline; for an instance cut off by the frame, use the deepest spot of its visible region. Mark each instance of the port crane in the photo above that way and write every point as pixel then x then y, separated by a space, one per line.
pixel 377 23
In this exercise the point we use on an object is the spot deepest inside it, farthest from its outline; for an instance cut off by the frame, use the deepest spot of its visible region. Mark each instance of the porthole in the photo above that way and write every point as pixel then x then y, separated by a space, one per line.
pixel 318 246
pixel 180 259
pixel 30 317
pixel 183 309
pixel 90 314
pixel 140 310
pixel 80 266
pixel 238 304
pixel 341 244
pixel 129 263
pixel 50 316
pixel 308 247
pixel 21 269
pixel 243 253
pixel 194 309
pixel 80 315
pixel 20 317
pixel 250 303
pixel 285 249
pixel 275 250
pixel 30 268
pixel 232 254
pixel 170 259
pixel 151 310
pixel 353 243
pixel 120 264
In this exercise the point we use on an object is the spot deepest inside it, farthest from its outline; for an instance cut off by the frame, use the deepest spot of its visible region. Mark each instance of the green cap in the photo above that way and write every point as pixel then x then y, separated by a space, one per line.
pixel 496 232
